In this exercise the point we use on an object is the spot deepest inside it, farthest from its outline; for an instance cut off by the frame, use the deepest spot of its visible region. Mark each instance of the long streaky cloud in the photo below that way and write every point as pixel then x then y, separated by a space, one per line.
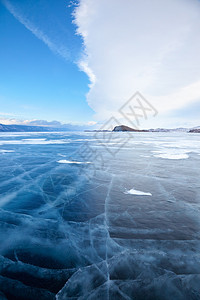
pixel 59 50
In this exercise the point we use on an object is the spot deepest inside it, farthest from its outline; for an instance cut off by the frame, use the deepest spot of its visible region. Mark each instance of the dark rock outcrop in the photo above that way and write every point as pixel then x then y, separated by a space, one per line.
pixel 126 128
pixel 195 130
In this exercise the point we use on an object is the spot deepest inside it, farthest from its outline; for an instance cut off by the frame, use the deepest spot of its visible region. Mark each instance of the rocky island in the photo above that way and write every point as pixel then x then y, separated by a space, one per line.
pixel 195 130
pixel 126 128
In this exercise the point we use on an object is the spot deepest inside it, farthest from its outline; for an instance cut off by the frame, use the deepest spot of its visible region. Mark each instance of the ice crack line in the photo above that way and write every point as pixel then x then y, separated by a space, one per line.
pixel 106 222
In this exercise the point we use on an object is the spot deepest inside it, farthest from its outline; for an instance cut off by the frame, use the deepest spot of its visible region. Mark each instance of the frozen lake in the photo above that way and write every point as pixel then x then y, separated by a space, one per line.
pixel 100 216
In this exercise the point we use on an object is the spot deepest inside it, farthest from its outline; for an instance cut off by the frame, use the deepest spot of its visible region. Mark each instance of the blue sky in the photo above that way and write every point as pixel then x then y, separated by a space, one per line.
pixel 82 69
pixel 36 82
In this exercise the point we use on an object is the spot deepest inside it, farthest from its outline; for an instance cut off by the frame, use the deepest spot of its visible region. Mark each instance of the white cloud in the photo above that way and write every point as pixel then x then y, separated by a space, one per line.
pixel 150 46
pixel 91 123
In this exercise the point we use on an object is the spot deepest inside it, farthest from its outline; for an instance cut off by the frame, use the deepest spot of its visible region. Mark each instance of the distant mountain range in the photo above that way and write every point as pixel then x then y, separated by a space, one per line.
pixel 69 127
pixel 181 129
pixel 27 128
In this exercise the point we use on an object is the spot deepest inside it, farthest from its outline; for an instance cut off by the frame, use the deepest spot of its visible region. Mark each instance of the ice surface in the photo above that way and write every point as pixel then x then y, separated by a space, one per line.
pixel 72 230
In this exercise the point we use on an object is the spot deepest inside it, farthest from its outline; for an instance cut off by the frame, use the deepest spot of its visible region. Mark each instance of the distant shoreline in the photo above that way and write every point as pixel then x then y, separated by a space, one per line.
pixel 120 128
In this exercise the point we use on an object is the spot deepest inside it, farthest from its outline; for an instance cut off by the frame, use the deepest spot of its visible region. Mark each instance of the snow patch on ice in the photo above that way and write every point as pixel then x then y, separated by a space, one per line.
pixel 64 161
pixel 136 192
pixel 172 156
pixel 6 151
pixel 171 153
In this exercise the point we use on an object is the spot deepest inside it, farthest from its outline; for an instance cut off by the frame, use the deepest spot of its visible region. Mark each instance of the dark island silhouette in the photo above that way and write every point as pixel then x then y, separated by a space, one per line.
pixel 127 128
pixel 195 130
